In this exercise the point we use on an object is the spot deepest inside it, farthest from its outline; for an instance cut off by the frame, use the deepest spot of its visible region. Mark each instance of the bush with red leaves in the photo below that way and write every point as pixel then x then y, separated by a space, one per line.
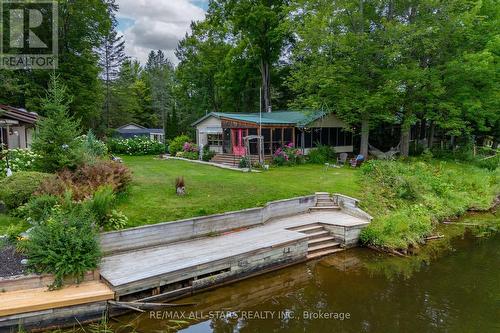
pixel 85 180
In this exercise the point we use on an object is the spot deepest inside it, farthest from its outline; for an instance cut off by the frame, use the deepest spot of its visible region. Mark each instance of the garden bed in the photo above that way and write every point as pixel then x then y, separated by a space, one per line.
pixel 10 262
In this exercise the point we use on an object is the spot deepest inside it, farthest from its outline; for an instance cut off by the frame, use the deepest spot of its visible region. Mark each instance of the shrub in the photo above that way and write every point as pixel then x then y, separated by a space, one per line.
pixel 18 188
pixel 177 144
pixel 244 163
pixel 38 208
pixel 207 154
pixel 101 204
pixel 321 155
pixel 288 155
pixel 90 148
pixel 116 220
pixel 85 181
pixel 66 245
pixel 19 160
pixel 491 163
pixel 135 146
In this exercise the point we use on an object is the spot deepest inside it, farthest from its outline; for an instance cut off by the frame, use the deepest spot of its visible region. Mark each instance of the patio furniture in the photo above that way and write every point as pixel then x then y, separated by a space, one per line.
pixel 357 161
pixel 342 159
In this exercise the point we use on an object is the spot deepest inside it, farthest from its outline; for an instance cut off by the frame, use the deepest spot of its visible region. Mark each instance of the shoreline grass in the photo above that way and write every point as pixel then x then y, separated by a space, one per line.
pixel 409 198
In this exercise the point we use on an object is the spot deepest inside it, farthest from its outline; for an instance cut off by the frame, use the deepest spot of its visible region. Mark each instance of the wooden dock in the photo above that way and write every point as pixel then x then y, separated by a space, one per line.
pixel 190 262
pixel 39 299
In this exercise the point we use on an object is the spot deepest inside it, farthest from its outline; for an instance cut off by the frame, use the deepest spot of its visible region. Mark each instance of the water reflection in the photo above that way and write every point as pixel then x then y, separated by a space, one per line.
pixel 430 292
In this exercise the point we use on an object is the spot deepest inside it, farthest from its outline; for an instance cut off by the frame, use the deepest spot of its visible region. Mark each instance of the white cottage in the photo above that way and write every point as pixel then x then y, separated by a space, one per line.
pixel 16 127
pixel 224 133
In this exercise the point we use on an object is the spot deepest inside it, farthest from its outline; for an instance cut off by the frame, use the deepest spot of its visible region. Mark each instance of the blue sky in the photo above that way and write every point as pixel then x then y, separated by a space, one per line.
pixel 156 24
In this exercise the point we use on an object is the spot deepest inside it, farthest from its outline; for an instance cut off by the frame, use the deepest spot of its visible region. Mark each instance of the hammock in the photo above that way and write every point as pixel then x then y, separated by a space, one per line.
pixel 384 156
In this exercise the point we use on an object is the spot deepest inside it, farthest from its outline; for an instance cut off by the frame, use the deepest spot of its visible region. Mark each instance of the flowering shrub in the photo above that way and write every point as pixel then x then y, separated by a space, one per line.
pixel 177 144
pixel 288 155
pixel 19 160
pixel 135 146
pixel 189 151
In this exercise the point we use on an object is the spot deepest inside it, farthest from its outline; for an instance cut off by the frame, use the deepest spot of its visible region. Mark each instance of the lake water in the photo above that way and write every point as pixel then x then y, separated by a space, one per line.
pixel 451 286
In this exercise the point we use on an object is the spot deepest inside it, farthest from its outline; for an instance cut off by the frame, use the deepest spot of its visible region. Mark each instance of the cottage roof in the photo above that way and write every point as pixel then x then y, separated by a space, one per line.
pixel 296 118
pixel 19 114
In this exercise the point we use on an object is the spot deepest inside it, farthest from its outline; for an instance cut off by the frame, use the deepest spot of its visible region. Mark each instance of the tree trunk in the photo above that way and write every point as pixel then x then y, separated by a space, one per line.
pixel 405 140
pixel 431 135
pixel 266 86
pixel 365 133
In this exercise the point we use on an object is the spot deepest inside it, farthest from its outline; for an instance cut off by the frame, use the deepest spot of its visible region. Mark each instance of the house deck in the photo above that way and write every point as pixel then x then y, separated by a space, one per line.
pixel 194 260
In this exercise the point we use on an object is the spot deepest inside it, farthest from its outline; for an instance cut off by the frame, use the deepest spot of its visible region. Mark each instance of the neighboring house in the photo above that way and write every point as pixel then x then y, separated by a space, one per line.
pixel 16 127
pixel 132 130
pixel 224 133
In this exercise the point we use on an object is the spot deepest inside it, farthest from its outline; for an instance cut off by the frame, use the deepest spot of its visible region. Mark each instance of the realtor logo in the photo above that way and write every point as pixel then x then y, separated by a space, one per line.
pixel 28 34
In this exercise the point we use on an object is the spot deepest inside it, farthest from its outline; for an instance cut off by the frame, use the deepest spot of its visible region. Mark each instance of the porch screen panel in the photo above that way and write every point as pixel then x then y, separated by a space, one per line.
pixel 277 138
pixel 266 133
pixel 316 136
pixel 288 135
pixel 341 138
pixel 332 132
pixel 298 138
pixel 308 139
pixel 325 131
pixel 254 144
pixel 348 138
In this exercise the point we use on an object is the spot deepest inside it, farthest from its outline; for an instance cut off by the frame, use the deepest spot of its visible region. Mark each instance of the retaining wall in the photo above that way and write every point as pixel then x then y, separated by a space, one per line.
pixel 21 282
pixel 169 232
pixel 350 206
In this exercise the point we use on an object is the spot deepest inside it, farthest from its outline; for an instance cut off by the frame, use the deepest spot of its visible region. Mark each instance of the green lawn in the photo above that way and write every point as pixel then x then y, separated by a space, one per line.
pixel 152 199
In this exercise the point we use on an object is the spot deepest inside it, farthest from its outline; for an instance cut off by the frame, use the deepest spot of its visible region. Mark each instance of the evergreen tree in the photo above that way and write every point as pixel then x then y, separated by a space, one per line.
pixel 112 57
pixel 56 132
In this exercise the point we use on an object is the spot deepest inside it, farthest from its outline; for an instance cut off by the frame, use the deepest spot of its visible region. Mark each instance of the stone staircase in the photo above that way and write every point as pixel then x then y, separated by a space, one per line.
pixel 320 242
pixel 325 202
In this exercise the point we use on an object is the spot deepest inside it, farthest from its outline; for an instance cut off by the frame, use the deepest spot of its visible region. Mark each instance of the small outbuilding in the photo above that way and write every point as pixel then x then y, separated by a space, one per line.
pixel 16 127
pixel 133 130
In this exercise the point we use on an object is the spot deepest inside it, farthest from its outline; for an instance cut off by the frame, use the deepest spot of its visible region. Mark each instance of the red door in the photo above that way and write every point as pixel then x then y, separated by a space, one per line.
pixel 237 141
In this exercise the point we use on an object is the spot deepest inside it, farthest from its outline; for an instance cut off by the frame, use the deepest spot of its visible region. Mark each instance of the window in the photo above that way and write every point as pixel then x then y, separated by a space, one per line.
pixel 156 137
pixel 214 139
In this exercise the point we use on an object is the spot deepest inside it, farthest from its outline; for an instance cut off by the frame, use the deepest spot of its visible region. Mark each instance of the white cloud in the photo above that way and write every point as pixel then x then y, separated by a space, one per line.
pixel 156 25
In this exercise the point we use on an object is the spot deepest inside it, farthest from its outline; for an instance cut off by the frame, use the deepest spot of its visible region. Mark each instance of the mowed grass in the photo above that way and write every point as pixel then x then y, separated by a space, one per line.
pixel 152 199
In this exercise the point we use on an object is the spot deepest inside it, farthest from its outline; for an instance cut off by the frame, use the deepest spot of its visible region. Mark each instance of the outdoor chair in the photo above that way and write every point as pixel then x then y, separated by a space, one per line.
pixel 342 159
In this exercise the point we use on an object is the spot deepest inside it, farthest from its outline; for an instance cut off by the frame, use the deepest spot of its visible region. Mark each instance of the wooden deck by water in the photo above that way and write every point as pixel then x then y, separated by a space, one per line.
pixel 162 262
pixel 31 300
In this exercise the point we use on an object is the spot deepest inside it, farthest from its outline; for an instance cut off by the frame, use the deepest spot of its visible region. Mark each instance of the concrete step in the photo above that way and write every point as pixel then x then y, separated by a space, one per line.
pixel 325 204
pixel 320 240
pixel 332 207
pixel 322 247
pixel 310 229
pixel 318 234
pixel 323 253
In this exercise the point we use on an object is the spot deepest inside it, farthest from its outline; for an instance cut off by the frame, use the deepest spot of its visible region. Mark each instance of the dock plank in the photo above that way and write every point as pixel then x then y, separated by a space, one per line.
pixel 39 299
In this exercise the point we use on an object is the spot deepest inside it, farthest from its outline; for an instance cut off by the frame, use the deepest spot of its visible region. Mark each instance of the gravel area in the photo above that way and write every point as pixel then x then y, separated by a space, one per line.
pixel 10 262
